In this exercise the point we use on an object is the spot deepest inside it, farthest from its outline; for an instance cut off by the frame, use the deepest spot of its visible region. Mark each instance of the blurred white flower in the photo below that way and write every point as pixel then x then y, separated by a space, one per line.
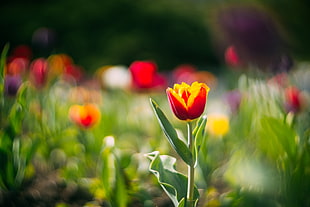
pixel 116 77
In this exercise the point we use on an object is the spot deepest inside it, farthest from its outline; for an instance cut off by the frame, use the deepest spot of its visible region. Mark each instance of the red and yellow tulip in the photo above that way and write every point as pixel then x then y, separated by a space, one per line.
pixel 188 101
pixel 84 116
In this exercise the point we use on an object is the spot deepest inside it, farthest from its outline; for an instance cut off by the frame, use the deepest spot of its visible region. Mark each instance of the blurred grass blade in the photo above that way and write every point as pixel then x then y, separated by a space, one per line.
pixel 2 61
pixel 178 145
pixel 119 194
pixel 279 138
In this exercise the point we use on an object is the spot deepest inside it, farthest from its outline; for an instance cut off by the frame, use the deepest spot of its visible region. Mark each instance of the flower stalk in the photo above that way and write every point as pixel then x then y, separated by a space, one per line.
pixel 191 168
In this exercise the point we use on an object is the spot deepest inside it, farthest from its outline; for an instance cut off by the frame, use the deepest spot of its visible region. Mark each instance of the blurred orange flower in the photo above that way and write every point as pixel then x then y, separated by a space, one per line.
pixel 17 66
pixel 84 116
pixel 58 62
pixel 188 101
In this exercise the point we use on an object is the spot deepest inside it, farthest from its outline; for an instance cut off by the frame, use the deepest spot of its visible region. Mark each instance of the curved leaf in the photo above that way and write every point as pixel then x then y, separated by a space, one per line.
pixel 178 145
pixel 174 183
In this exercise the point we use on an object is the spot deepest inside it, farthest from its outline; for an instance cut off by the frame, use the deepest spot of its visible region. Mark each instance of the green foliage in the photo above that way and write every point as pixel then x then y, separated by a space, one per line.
pixel 199 136
pixel 16 148
pixel 173 182
pixel 178 145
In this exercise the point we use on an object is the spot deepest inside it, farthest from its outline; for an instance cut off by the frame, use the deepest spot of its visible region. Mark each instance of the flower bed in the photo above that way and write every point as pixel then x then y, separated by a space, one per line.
pixel 74 139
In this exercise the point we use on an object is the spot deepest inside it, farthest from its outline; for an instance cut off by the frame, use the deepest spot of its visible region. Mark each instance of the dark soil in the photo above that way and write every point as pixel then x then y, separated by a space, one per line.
pixel 46 190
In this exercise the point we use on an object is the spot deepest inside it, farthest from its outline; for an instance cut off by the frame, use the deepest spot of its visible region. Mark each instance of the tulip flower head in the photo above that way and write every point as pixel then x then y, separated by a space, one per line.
pixel 84 116
pixel 188 101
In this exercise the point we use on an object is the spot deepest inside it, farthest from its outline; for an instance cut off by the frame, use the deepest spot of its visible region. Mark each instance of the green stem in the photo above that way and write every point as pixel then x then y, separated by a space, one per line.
pixel 191 169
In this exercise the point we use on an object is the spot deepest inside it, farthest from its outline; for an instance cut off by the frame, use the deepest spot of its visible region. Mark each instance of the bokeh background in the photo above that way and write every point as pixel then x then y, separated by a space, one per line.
pixel 76 78
pixel 108 32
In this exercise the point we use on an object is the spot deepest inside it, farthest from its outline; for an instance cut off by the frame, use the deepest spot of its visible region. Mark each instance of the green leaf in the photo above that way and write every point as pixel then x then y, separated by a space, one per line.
pixel 174 183
pixel 178 145
pixel 278 138
pixel 199 135
pixel 182 202
pixel 2 61
pixel 119 194
pixel 22 94
pixel 16 117
pixel 107 168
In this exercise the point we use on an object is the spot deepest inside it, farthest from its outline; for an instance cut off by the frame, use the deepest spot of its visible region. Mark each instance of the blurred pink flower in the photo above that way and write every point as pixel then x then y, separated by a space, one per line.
pixel 233 100
pixel 183 73
pixel 281 80
pixel 39 72
pixel 188 74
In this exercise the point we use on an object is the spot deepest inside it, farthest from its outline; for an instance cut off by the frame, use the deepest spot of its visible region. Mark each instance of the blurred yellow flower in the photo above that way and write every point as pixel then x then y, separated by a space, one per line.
pixel 218 124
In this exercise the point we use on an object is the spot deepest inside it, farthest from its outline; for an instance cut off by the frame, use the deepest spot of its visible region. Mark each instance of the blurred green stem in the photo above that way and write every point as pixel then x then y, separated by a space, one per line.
pixel 191 169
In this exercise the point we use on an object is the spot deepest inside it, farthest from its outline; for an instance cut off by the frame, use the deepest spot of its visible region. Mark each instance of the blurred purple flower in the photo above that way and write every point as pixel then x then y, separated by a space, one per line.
pixel 253 33
pixel 44 39
pixel 12 84
pixel 233 100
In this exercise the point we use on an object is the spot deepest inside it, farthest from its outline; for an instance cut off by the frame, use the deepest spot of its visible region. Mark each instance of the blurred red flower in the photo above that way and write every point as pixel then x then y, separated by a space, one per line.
pixel 21 51
pixel 73 72
pixel 144 75
pixel 39 72
pixel 294 99
pixel 231 57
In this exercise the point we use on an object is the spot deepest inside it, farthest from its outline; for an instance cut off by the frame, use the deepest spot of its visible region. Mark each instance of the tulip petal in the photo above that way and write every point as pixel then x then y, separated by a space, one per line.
pixel 197 103
pixel 177 104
